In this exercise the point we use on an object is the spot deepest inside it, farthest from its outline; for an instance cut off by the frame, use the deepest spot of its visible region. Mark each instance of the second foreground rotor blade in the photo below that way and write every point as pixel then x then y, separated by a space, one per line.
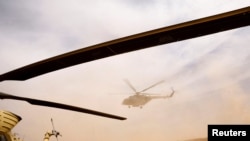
pixel 59 105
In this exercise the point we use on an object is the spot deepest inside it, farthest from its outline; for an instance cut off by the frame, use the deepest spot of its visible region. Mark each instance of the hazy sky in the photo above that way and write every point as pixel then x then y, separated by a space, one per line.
pixel 210 74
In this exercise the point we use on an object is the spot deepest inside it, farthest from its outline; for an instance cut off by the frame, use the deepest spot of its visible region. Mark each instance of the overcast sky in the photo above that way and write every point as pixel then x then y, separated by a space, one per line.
pixel 210 74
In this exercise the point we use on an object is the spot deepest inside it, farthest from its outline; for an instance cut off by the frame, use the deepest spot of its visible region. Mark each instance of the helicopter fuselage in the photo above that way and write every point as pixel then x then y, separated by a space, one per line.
pixel 136 100
pixel 139 100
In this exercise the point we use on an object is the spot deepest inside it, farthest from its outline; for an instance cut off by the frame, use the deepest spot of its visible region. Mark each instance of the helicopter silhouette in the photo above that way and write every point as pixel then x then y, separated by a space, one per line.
pixel 183 31
pixel 140 98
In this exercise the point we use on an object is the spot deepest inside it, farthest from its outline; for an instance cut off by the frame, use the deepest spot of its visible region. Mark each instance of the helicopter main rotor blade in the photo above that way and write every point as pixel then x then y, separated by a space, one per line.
pixel 153 94
pixel 187 30
pixel 59 105
pixel 130 85
pixel 152 86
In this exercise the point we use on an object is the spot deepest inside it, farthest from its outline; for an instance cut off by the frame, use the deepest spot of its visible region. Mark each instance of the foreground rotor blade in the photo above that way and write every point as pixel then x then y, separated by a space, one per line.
pixel 58 105
pixel 187 30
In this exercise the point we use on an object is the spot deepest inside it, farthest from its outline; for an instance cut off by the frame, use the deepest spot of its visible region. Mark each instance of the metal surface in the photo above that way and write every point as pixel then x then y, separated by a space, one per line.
pixel 59 105
pixel 8 121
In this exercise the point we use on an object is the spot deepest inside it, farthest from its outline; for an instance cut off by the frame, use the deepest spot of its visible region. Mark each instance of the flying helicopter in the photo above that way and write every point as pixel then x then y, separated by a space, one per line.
pixel 183 31
pixel 140 98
